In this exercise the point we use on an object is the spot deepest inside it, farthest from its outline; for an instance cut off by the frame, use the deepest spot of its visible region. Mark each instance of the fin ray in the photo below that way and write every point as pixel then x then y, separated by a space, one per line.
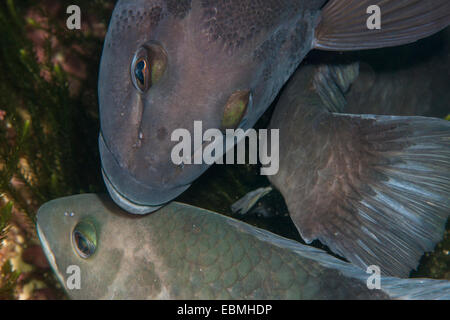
pixel 402 22
pixel 374 189
pixel 376 202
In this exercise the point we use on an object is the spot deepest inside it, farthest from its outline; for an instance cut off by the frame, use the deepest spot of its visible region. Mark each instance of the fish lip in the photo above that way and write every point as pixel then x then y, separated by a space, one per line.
pixel 141 199
pixel 123 202
pixel 48 252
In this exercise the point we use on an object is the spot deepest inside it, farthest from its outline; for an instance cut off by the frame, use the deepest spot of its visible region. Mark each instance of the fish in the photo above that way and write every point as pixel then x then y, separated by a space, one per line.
pixel 411 80
pixel 245 204
pixel 374 188
pixel 404 81
pixel 99 251
pixel 167 64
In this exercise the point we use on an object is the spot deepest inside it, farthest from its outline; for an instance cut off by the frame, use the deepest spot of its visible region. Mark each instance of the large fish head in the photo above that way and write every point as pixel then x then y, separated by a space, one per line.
pixel 90 244
pixel 166 64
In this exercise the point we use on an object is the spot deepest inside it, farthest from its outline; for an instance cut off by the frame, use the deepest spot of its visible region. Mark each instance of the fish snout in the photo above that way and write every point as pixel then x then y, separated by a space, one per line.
pixel 128 192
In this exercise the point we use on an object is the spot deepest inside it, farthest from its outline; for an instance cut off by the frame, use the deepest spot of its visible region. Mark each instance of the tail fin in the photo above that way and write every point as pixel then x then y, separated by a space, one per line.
pixel 344 24
pixel 376 189
pixel 416 289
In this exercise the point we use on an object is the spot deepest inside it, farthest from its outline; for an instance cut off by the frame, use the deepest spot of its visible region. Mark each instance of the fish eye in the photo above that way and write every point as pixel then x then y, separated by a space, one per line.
pixel 236 109
pixel 148 66
pixel 140 72
pixel 84 239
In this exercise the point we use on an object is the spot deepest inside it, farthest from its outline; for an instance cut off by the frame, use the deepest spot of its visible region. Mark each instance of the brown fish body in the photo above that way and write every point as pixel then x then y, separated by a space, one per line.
pixel 375 189
pixel 167 64
pixel 212 49
pixel 411 80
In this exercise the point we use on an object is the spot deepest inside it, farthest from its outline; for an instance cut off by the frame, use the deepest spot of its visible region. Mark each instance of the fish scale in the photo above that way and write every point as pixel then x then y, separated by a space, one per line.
pixel 242 262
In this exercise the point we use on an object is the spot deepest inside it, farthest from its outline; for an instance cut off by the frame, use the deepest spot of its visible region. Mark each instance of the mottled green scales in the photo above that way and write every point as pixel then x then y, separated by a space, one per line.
pixel 184 252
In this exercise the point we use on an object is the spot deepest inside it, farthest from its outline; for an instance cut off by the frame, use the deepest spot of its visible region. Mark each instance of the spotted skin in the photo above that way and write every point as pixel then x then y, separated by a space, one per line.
pixel 179 8
pixel 258 44
pixel 213 49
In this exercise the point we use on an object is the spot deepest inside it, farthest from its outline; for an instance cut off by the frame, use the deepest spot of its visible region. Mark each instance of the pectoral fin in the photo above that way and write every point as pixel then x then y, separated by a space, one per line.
pixel 246 203
pixel 344 24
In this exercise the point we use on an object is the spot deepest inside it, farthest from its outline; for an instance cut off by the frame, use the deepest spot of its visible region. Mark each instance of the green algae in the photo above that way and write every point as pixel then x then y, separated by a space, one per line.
pixel 47 130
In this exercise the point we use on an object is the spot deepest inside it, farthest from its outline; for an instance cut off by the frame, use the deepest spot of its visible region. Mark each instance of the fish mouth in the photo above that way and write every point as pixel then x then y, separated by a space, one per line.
pixel 130 194
pixel 123 202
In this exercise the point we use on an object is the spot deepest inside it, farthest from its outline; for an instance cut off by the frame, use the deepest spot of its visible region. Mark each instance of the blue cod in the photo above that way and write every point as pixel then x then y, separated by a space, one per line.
pixel 168 63
pixel 184 252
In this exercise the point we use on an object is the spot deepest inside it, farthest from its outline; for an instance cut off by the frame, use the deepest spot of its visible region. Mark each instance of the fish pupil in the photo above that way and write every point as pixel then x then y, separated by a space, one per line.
pixel 82 243
pixel 139 71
